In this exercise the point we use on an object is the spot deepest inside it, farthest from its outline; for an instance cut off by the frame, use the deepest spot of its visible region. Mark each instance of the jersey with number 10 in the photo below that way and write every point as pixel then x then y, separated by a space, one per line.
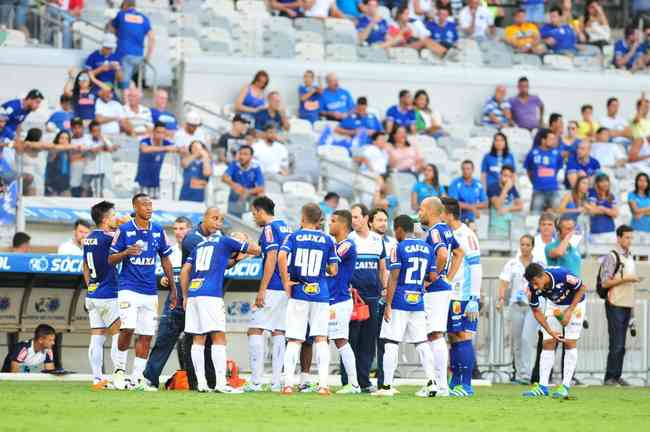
pixel 310 252
pixel 415 259
pixel 102 283
pixel 209 261
pixel 271 239
pixel 440 235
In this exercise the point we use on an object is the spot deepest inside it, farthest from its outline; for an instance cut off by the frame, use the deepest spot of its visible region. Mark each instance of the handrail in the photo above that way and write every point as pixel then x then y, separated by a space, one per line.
pixel 202 108
pixel 354 184
pixel 143 66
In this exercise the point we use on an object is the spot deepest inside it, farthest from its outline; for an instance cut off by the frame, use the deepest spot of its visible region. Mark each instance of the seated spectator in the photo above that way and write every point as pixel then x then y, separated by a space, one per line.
pixel 150 160
pixel 504 200
pixel 496 111
pixel 270 154
pixel 639 202
pixel 374 158
pixel 469 192
pixel 543 164
pixel 371 26
pixel 558 36
pixel 309 94
pixel 359 119
pixel 31 353
pixel 191 131
pixel 408 32
pixel 523 36
pixel 498 157
pixel 95 155
pixel 527 110
pixel 75 245
pixel 329 204
pixel 57 170
pixel 77 157
pixel 197 169
pixel 427 186
pixel 104 64
pixel 287 8
pixel 603 212
pixel 20 243
pixel 443 30
pixel 245 179
pixel 273 113
pixel 230 141
pixel 575 201
pixel 60 120
pixel 111 114
pixel 608 154
pixel 403 156
pixel 630 52
pixel 401 114
pixel 619 130
pixel 640 125
pixel 427 121
pixel 160 114
pixel 83 96
pixel 581 164
pixel 350 8
pixel 595 25
pixel 251 98
pixel 569 142
pixel 336 102
pixel 476 21
pixel 321 9
pixel 534 10
pixel 639 155
pixel 587 127
pixel 137 114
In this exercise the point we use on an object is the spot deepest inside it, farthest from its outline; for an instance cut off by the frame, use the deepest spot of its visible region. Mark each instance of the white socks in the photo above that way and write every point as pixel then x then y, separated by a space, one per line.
pixel 570 362
pixel 139 364
pixel 426 358
pixel 390 362
pixel 198 361
pixel 219 362
pixel 291 355
pixel 323 362
pixel 279 343
pixel 546 359
pixel 440 359
pixel 256 356
pixel 96 355
pixel 349 363
pixel 117 357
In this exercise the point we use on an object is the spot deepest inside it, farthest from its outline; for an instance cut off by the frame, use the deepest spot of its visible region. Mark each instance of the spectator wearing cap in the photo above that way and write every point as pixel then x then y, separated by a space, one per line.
pixel 17 110
pixel 287 8
pixel 374 158
pixel 476 21
pixel 197 169
pixel 84 95
pixel 150 160
pixel 77 158
pixel 527 109
pixel 104 64
pixel 75 245
pixel 336 102
pixel 191 131
pixel 274 113
pixel 443 30
pixel 542 165
pixel 581 164
pixel 159 112
pixel 587 127
pixel 309 94
pixel 98 150
pixel 229 142
pixel 523 35
pixel 111 115
pixel 619 130
pixel 372 28
pixel 321 9
pixel 608 154
pixel 60 119
pixel 245 179
pixel 504 201
pixel 359 119
pixel 402 114
pixel 131 28
pixel 630 52
pixel 251 97
pixel 496 111
pixel 138 115
pixel 270 154
pixel 469 192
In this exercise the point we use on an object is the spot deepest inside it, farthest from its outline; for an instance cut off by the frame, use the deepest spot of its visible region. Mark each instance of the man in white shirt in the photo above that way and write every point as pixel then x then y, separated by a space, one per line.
pixel 476 21
pixel 111 115
pixel 374 158
pixel 96 155
pixel 191 131
pixel 609 154
pixel 272 156
pixel 322 9
pixel 545 235
pixel 74 246
pixel 619 130
pixel 138 114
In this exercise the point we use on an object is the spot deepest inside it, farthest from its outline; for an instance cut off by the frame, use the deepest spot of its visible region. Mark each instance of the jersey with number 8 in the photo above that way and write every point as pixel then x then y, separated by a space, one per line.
pixel 415 259
pixel 102 283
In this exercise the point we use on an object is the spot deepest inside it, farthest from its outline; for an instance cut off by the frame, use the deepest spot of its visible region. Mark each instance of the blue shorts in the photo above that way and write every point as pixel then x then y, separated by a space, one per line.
pixel 457 321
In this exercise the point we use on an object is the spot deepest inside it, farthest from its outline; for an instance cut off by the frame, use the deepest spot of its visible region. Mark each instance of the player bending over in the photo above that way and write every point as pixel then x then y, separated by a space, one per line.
pixel 562 322
pixel 404 316
pixel 304 260
pixel 205 315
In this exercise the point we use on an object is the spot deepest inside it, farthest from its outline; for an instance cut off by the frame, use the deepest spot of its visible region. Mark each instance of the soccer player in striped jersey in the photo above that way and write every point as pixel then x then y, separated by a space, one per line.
pixel 463 309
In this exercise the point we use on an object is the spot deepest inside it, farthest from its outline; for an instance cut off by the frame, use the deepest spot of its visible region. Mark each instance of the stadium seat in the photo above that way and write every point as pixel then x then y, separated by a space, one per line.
pixel 527 60
pixel 498 59
pixel 341 53
pixel 428 57
pixel 299 126
pixel 297 188
pixel 309 51
pixel 334 153
pixel 481 144
pixel 252 8
pixel 13 38
pixel 340 31
pixel 558 62
pixel 482 131
pixel 520 141
pixel 309 37
pixel 216 40
pixel 309 24
pixel 405 55
pixel 320 125
pixel 372 54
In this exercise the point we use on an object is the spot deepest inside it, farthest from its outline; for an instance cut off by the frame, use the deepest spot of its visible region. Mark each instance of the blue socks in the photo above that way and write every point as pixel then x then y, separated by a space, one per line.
pixel 462 363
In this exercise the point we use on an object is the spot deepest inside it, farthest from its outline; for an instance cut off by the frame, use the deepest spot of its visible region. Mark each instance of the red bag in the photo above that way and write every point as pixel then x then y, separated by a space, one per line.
pixel 178 381
pixel 360 310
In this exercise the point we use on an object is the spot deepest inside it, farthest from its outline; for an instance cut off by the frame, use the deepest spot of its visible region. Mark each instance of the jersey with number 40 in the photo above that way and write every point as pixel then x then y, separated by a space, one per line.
pixel 102 283
pixel 415 259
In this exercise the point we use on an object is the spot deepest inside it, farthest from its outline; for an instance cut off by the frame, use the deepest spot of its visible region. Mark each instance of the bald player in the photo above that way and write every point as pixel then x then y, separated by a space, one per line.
pixel 437 297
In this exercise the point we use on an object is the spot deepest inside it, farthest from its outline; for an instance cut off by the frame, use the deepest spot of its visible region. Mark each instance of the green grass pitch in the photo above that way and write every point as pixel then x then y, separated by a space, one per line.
pixel 51 406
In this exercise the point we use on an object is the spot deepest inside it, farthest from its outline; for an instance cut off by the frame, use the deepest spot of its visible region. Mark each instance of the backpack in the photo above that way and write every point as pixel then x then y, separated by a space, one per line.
pixel 600 290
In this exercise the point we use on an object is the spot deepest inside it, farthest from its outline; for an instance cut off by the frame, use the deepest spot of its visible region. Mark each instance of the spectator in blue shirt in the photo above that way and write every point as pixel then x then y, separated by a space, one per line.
pixel 581 164
pixel 402 114
pixel 251 98
pixel 245 179
pixel 274 113
pixel 104 63
pixel 197 169
pixel 335 102
pixel 159 113
pixel 603 211
pixel 496 111
pixel 639 202
pixel 17 110
pixel 469 192
pixel 630 52
pixel 428 186
pixel 360 119
pixel 132 28
pixel 150 160
pixel 444 33
pixel 349 8
pixel 371 26
pixel 558 36
pixel 498 157
pixel 61 119
pixel 309 95
pixel 543 164
pixel 504 200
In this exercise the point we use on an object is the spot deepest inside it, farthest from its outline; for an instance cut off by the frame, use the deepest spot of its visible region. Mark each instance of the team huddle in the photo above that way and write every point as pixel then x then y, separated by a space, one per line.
pixel 430 288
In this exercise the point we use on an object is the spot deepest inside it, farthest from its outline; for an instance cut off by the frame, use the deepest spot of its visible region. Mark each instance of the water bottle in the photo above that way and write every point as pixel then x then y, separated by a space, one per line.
pixel 632 326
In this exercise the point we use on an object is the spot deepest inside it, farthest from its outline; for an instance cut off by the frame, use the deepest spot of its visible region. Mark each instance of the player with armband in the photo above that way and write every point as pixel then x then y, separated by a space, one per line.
pixel 561 322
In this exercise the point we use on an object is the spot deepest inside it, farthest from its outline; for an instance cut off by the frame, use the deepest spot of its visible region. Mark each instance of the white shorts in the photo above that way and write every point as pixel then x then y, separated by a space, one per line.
pixel 138 312
pixel 405 326
pixel 340 314
pixel 205 314
pixel 102 313
pixel 436 306
pixel 573 329
pixel 301 313
pixel 273 315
